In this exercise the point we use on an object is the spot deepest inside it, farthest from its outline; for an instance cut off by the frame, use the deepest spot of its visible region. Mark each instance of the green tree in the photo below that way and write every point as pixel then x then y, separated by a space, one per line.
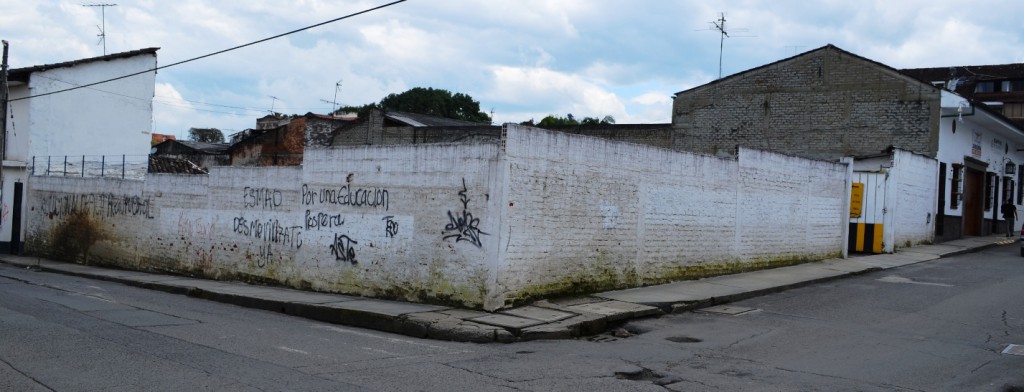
pixel 431 101
pixel 206 135
pixel 555 121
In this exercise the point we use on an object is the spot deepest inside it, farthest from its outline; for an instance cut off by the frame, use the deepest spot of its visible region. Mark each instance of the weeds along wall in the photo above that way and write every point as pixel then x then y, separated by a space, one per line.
pixel 588 214
pixel 408 222
pixel 542 213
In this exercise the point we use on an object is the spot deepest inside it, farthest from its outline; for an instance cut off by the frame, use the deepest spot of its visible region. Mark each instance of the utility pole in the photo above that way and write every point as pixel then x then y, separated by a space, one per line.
pixel 3 116
pixel 103 30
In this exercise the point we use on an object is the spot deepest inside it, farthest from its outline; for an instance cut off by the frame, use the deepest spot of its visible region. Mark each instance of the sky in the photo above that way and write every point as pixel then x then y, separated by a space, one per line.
pixel 521 59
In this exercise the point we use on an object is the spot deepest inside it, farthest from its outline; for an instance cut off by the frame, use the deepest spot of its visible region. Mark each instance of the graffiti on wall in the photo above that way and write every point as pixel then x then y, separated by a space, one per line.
pixel 262 198
pixel 189 227
pixel 5 211
pixel 264 255
pixel 463 226
pixel 342 249
pixel 322 220
pixel 390 226
pixel 269 231
pixel 102 204
pixel 346 196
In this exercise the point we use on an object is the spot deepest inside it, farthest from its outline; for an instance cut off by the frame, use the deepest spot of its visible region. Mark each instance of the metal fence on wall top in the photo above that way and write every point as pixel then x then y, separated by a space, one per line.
pixel 131 167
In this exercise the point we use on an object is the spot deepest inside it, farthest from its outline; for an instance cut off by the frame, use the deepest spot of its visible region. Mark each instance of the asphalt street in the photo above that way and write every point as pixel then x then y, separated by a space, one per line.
pixel 941 325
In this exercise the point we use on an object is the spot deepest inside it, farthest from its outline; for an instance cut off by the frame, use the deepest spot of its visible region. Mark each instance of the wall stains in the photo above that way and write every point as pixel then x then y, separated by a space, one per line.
pixel 75 235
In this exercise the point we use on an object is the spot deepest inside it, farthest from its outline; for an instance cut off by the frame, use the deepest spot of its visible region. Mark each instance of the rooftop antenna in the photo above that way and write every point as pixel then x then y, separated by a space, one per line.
pixel 337 87
pixel 723 34
pixel 334 103
pixel 103 29
pixel 273 100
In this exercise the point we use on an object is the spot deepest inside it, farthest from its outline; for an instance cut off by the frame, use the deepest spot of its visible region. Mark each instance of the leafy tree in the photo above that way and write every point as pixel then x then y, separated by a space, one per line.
pixel 431 101
pixel 555 121
pixel 206 135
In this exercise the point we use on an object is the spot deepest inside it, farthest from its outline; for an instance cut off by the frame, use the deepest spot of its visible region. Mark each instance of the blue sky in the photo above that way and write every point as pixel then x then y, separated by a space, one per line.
pixel 520 58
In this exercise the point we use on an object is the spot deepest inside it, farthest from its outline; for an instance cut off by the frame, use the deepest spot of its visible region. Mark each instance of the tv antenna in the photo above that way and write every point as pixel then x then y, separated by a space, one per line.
pixel 103 29
pixel 719 25
pixel 334 104
pixel 273 100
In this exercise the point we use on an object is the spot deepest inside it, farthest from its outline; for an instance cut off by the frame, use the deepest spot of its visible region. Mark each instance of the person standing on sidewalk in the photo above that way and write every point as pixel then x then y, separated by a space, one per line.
pixel 1010 214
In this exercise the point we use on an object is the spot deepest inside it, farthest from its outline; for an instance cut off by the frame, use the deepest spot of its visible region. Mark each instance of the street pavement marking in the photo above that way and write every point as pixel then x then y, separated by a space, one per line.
pixel 1014 349
pixel 900 279
pixel 292 350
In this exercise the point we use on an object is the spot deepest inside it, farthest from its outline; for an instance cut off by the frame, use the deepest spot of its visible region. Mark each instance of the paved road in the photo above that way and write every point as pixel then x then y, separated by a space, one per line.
pixel 934 326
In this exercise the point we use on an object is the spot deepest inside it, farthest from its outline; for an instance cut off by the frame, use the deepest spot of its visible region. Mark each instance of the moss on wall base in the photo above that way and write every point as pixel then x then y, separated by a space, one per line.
pixel 603 279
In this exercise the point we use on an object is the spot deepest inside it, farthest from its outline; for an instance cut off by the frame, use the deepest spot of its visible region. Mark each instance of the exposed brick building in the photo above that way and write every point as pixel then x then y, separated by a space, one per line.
pixel 829 103
pixel 823 104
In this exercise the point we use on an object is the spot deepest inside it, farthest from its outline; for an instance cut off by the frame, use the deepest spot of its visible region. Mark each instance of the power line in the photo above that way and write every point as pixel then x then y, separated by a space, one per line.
pixel 170 101
pixel 218 52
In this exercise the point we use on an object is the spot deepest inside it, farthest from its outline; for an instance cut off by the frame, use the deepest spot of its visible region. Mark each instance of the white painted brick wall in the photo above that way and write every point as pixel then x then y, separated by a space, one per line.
pixel 915 198
pixel 470 224
pixel 589 212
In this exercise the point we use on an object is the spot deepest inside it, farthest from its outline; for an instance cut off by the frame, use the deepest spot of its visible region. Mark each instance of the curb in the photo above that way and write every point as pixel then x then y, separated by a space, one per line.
pixel 579 316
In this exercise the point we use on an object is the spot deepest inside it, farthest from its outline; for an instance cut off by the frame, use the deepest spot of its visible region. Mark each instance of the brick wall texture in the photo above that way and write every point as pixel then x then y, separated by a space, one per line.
pixel 823 104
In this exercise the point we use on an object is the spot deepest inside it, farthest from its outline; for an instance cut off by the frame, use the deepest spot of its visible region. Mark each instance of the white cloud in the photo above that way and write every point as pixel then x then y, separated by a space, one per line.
pixel 525 58
pixel 562 93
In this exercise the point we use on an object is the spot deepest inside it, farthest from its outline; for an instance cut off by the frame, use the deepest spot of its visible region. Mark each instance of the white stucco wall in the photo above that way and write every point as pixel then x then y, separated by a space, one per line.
pixel 979 136
pixel 113 118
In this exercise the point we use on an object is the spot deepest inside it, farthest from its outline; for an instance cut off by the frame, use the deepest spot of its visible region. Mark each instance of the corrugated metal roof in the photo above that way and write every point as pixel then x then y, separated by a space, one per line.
pixel 425 120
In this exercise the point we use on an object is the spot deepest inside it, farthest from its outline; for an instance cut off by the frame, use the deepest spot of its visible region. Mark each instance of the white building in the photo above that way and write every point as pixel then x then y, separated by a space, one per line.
pixel 108 121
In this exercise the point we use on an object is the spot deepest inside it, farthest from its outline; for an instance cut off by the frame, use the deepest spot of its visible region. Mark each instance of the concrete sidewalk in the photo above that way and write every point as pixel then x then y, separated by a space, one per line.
pixel 545 319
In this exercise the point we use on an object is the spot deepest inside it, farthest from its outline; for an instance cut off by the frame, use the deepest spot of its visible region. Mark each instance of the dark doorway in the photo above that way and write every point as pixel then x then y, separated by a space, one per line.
pixel 940 215
pixel 16 219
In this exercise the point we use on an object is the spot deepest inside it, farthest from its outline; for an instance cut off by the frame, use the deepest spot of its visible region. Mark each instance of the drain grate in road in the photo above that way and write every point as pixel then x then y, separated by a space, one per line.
pixel 729 310
pixel 1014 349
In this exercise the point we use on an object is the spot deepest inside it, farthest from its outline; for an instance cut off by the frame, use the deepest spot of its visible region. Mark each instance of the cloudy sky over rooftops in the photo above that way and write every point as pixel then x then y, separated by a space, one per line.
pixel 522 59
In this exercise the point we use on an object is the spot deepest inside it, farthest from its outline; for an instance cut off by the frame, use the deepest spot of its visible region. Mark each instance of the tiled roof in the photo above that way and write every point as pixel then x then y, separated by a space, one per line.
pixel 22 73
pixel 173 165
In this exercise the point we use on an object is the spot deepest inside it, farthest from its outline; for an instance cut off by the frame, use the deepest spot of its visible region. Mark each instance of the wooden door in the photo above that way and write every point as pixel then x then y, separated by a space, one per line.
pixel 974 201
